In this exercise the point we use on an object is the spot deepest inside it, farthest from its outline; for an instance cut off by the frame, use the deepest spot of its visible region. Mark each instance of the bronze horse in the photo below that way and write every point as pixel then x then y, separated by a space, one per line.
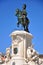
pixel 24 21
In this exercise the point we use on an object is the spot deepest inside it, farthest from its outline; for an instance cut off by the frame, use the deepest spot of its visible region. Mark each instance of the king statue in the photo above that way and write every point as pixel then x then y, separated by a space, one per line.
pixel 22 18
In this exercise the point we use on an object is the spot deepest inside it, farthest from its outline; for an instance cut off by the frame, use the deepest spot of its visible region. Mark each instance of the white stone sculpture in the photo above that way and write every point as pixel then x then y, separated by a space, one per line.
pixel 0 57
pixel 32 56
pixel 22 52
pixel 7 54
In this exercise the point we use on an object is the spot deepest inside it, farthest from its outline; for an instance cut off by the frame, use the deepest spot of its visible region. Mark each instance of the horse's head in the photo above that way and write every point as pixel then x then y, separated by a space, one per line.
pixel 17 12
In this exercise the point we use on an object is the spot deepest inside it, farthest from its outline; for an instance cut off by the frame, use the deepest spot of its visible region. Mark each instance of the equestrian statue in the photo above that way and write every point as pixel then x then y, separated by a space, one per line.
pixel 22 18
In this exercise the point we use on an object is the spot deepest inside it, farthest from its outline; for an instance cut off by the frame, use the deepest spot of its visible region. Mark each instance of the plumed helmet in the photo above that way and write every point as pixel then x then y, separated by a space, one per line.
pixel 24 6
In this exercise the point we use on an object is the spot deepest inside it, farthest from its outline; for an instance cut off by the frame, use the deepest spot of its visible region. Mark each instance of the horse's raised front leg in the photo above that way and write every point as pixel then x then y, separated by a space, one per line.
pixel 17 24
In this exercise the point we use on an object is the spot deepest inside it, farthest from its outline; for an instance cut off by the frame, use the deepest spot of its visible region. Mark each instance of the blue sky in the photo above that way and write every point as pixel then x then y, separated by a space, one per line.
pixel 8 22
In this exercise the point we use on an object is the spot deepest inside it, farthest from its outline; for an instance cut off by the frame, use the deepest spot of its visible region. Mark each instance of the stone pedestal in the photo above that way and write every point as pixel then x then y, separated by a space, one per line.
pixel 21 40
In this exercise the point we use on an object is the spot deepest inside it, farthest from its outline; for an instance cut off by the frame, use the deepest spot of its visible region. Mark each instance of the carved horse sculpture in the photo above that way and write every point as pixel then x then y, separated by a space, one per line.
pixel 24 21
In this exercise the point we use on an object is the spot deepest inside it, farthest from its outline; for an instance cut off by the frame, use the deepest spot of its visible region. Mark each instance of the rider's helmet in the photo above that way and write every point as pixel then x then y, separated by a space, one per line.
pixel 24 6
